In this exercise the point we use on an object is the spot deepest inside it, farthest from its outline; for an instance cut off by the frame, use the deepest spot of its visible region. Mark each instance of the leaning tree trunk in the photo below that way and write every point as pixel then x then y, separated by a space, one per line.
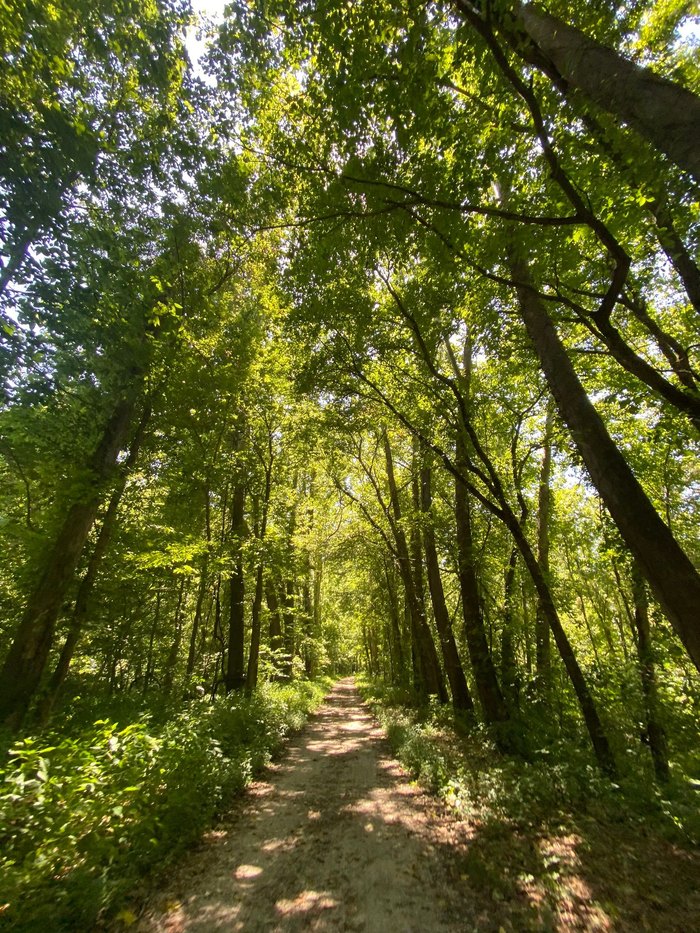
pixel 662 111
pixel 81 610
pixel 26 659
pixel 663 562
pixel 665 113
pixel 589 711
pixel 461 698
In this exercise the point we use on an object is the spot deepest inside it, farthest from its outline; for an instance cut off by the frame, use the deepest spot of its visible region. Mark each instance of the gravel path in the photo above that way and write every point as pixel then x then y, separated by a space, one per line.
pixel 336 839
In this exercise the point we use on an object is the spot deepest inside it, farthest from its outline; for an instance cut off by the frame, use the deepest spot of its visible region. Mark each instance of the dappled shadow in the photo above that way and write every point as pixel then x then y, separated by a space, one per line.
pixel 339 839
pixel 332 841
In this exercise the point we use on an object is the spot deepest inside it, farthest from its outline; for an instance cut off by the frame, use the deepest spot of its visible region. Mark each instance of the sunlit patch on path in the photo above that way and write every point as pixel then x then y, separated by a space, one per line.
pixel 337 839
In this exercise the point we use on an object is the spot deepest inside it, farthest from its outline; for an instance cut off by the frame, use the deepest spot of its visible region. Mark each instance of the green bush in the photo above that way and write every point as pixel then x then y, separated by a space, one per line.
pixel 82 818
pixel 466 769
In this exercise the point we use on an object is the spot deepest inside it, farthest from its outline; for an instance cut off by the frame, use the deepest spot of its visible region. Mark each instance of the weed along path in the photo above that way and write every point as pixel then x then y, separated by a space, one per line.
pixel 336 839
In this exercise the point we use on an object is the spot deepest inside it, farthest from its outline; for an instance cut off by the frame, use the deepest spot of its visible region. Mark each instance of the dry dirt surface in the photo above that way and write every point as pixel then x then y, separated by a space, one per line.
pixel 337 839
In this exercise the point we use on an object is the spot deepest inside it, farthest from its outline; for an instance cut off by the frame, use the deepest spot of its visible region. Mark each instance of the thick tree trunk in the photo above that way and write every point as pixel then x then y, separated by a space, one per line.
pixel 655 731
pixel 461 698
pixel 487 687
pixel 663 112
pixel 81 609
pixel 665 565
pixel 26 659
pixel 235 667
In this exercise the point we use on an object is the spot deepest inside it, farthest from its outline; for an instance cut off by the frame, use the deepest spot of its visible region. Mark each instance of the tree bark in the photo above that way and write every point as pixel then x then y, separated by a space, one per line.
pixel 655 731
pixel 544 512
pixel 509 669
pixel 488 689
pixel 290 633
pixel 197 621
pixel 663 112
pixel 461 698
pixel 596 732
pixel 416 556
pixel 665 565
pixel 235 667
pixel 427 673
pixel 171 662
pixel 251 681
pixel 81 610
pixel 28 653
pixel 273 608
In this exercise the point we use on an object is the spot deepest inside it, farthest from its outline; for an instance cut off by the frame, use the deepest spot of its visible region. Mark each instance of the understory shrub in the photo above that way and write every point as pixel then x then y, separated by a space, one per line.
pixel 82 818
pixel 463 766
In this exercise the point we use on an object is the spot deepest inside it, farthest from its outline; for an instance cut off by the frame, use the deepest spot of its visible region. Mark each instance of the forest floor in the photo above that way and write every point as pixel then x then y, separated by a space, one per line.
pixel 337 837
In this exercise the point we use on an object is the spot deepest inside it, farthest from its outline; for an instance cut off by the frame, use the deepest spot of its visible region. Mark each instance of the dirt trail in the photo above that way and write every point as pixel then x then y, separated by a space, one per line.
pixel 336 839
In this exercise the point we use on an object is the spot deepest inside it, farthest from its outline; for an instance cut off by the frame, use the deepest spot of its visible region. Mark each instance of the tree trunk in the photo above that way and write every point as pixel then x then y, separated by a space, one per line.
pixel 427 673
pixel 26 659
pixel 150 663
pixel 416 555
pixel 81 609
pixel 397 647
pixel 196 622
pixel 289 617
pixel 663 112
pixel 235 667
pixel 273 607
pixel 487 687
pixel 171 662
pixel 544 512
pixel 251 681
pixel 596 732
pixel 509 668
pixel 655 731
pixel 461 698
pixel 665 565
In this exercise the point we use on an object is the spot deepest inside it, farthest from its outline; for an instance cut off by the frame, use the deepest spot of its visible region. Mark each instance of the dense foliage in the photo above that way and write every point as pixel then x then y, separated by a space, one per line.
pixel 82 821
pixel 369 340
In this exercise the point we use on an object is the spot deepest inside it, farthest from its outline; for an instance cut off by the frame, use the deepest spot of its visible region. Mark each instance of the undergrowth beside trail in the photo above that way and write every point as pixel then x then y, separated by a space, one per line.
pixel 83 818
pixel 545 842
pixel 463 766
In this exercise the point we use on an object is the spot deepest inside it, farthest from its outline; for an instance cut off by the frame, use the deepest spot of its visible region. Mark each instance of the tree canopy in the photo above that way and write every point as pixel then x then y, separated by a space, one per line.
pixel 369 341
